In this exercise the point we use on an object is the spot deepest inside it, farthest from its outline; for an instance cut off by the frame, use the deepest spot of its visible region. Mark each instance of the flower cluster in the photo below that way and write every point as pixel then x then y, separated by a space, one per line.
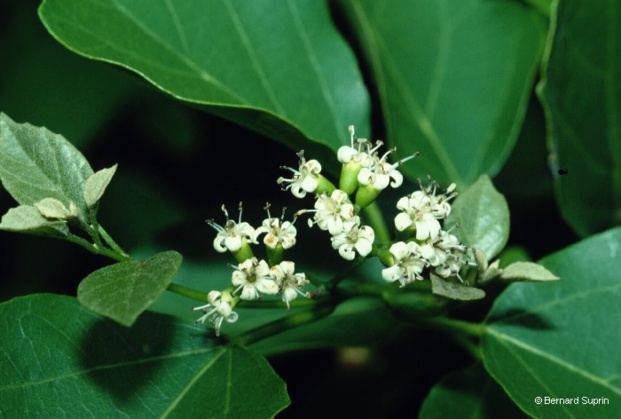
pixel 365 173
pixel 423 247
pixel 252 278
pixel 426 245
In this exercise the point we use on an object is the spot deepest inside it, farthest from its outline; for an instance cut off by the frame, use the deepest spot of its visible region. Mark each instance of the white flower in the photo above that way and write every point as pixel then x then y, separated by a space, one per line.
pixel 354 153
pixel 456 257
pixel 232 236
pixel 253 276
pixel 434 255
pixel 440 205
pixel 216 311
pixel 332 211
pixel 288 281
pixel 277 231
pixel 409 263
pixel 378 173
pixel 354 237
pixel 423 208
pixel 305 179
pixel 417 210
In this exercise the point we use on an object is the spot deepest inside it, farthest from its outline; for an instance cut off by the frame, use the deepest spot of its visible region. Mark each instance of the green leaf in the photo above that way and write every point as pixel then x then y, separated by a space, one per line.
pixel 454 79
pixel 483 217
pixel 455 291
pixel 561 339
pixel 275 67
pixel 28 219
pixel 468 393
pixel 53 208
pixel 124 290
pixel 580 91
pixel 527 271
pixel 36 164
pixel 161 367
pixel 96 185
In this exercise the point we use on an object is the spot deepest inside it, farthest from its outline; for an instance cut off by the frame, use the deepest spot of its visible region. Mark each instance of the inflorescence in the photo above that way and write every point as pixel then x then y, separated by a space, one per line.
pixel 423 246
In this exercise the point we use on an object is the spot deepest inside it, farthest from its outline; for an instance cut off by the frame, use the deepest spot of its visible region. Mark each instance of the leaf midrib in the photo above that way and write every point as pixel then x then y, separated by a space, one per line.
pixel 104 367
pixel 507 339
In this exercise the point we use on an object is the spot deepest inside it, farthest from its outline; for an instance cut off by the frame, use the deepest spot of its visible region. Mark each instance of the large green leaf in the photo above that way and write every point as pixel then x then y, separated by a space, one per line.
pixel 36 164
pixel 278 67
pixel 469 393
pixel 454 78
pixel 561 339
pixel 124 290
pixel 581 91
pixel 59 357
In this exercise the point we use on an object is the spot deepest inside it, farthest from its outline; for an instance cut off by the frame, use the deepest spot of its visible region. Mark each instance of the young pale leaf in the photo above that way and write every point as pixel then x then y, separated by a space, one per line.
pixel 58 356
pixel 454 78
pixel 583 128
pixel 561 339
pixel 53 208
pixel 274 71
pixel 28 219
pixel 124 290
pixel 483 217
pixel 527 271
pixel 96 185
pixel 36 164
pixel 469 393
pixel 455 291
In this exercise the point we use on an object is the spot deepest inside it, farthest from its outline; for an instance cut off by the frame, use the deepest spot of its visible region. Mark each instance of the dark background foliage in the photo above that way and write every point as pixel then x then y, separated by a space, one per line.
pixel 178 165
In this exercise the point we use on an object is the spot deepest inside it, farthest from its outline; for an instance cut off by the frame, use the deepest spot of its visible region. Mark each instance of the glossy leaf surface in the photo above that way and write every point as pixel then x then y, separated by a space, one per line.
pixel 560 339
pixel 454 79
pixel 277 67
pixel 581 92
pixel 92 366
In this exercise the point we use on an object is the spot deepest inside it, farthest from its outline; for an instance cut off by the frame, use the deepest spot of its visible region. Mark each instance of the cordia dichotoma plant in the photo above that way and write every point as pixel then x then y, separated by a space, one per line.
pixel 305 232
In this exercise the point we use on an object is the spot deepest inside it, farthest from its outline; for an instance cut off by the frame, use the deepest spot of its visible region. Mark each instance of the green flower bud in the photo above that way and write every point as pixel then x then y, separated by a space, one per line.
pixel 244 253
pixel 365 195
pixel 349 177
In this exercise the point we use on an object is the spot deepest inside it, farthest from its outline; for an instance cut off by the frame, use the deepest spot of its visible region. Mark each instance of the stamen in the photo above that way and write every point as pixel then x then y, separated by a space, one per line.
pixel 212 223
pixel 267 208
pixel 378 144
pixel 403 160
pixel 351 135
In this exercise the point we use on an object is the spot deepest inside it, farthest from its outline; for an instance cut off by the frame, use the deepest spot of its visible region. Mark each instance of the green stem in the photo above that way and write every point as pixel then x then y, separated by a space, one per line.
pixel 111 241
pixel 376 219
pixel 297 303
pixel 96 249
pixel 286 323
pixel 187 292
pixel 458 326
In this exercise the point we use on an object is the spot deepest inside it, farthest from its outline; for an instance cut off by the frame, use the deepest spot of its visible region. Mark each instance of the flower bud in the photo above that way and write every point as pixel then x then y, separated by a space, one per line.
pixel 365 195
pixel 349 177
